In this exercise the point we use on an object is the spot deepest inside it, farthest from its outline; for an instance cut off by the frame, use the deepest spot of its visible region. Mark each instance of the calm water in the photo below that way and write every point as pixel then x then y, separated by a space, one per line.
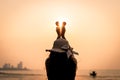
pixel 41 75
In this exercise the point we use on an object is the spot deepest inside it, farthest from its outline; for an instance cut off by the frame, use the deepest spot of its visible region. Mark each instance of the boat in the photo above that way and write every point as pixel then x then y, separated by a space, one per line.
pixel 93 74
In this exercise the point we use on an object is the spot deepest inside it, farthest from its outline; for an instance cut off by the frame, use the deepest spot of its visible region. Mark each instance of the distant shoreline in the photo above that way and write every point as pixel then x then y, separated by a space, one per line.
pixel 12 69
pixel 15 74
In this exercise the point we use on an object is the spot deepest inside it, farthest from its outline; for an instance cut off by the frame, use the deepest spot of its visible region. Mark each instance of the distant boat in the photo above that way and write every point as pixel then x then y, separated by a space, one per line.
pixel 93 74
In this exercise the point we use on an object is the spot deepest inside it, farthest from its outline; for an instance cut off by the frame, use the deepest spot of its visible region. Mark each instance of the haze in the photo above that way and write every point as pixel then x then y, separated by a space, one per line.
pixel 27 28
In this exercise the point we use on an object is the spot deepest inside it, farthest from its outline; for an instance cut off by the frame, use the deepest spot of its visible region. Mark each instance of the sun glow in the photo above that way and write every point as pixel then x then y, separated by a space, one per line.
pixel 61 20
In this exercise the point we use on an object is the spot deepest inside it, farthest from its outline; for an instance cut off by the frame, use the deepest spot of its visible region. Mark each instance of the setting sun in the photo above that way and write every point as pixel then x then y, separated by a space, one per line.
pixel 61 20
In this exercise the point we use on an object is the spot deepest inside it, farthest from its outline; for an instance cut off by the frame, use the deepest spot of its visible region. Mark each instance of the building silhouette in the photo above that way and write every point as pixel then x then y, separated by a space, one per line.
pixel 20 65
pixel 8 66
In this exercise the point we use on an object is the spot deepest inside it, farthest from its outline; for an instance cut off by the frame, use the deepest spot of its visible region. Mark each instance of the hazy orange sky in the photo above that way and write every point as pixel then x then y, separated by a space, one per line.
pixel 27 28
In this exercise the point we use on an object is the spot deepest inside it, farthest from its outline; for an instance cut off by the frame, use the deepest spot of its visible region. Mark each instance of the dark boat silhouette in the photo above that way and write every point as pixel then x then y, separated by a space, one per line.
pixel 93 74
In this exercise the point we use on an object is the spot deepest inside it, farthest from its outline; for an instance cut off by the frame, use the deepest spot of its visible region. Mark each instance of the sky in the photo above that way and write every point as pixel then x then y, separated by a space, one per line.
pixel 27 28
